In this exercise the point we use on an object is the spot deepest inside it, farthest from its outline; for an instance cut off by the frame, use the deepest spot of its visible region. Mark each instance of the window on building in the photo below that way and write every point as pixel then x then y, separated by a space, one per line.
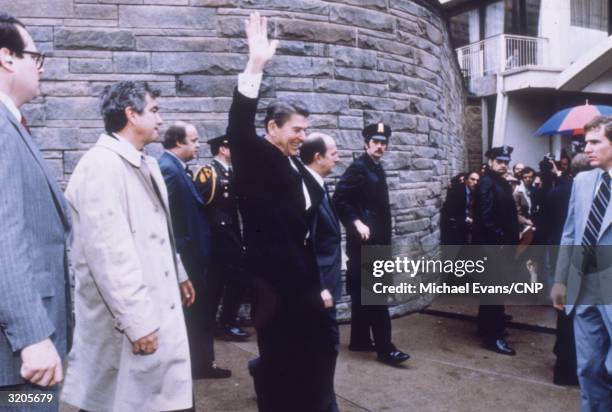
pixel 465 28
pixel 591 14
pixel 494 19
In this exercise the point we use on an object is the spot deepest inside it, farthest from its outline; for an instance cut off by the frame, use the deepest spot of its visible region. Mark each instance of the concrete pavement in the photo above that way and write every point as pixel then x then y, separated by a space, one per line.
pixel 448 371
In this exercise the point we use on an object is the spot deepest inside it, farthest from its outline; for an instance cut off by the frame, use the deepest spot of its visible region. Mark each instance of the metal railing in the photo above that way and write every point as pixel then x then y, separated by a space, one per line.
pixel 500 53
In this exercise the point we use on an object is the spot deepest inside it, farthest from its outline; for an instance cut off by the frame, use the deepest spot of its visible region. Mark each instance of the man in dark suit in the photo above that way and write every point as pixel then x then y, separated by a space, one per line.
pixel 226 277
pixel 192 234
pixel 362 202
pixel 457 214
pixel 34 285
pixel 275 204
pixel 496 226
pixel 320 155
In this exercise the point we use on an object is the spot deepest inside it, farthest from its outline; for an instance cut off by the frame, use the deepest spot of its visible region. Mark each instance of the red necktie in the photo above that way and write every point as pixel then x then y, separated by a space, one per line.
pixel 24 123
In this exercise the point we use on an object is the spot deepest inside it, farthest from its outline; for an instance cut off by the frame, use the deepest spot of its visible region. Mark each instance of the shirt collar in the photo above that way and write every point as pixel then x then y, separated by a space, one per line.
pixel 171 153
pixel 222 163
pixel 317 176
pixel 10 105
pixel 121 145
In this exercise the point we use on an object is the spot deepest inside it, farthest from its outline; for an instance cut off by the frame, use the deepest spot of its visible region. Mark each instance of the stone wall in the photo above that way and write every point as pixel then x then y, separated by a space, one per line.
pixel 352 61
pixel 473 134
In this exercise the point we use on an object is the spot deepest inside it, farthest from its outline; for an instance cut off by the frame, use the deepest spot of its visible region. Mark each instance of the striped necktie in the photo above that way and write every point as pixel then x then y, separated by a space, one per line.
pixel 593 226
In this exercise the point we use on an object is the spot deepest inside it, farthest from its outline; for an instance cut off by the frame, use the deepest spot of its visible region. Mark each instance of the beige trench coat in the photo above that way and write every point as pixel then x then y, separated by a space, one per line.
pixel 126 276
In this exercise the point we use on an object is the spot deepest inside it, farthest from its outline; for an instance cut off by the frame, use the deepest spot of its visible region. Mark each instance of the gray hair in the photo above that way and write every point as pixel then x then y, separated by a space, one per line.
pixel 580 163
pixel 118 97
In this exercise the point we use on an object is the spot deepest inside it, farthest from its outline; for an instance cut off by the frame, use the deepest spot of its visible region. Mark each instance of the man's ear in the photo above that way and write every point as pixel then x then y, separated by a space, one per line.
pixel 130 114
pixel 272 127
pixel 6 59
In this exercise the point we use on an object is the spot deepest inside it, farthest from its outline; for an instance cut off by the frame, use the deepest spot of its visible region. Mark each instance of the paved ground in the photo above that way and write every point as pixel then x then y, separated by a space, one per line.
pixel 448 371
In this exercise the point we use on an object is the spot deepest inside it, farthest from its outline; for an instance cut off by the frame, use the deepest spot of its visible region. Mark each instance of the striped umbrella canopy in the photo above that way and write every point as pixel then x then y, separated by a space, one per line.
pixel 571 121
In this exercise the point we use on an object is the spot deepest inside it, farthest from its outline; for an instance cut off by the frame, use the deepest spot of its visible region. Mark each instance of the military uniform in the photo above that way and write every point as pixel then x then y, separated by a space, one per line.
pixel 226 277
pixel 496 224
pixel 362 194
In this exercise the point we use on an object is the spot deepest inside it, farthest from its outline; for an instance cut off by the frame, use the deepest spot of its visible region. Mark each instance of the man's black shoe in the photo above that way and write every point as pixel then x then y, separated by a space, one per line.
pixel 565 380
pixel 393 358
pixel 361 348
pixel 234 333
pixel 213 372
pixel 500 346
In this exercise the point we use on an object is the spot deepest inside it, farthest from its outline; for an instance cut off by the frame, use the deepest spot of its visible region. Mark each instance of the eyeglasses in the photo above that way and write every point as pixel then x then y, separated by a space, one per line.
pixel 39 58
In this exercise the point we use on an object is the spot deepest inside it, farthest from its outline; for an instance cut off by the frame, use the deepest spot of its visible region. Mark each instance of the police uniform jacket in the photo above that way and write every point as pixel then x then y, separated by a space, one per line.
pixel 215 184
pixel 496 218
pixel 362 193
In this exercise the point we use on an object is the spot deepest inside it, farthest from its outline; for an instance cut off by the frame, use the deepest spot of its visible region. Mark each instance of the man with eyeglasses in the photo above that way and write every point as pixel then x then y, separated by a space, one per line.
pixel 35 319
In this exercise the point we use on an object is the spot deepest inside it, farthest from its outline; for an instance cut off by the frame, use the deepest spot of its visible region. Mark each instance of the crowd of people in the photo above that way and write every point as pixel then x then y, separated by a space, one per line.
pixel 523 207
pixel 155 247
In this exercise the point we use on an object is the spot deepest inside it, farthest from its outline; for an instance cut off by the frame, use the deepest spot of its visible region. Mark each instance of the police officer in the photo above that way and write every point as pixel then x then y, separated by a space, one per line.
pixel 362 202
pixel 226 277
pixel 496 225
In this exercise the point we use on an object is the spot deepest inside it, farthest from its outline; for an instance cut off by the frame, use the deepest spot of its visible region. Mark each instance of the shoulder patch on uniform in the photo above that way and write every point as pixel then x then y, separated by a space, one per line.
pixel 204 174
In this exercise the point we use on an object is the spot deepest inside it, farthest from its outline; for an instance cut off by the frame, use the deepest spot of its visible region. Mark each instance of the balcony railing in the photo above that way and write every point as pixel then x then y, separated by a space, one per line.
pixel 500 53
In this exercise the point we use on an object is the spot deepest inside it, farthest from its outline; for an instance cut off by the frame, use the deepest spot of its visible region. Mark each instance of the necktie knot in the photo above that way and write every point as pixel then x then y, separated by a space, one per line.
pixel 24 123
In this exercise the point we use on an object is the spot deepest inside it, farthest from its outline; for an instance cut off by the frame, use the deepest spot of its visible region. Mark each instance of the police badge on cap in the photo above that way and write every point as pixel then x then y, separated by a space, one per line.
pixel 500 153
pixel 216 142
pixel 377 131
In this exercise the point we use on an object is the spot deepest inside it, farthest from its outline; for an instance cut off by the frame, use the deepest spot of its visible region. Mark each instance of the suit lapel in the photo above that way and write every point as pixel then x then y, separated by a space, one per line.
pixel 56 192
pixel 185 178
pixel 605 224
pixel 331 215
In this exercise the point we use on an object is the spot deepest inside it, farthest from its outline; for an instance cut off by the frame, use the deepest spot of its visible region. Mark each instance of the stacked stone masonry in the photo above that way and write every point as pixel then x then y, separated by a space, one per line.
pixel 352 61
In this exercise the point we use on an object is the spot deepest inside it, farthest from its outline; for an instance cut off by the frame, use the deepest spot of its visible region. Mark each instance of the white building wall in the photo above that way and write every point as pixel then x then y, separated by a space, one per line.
pixel 566 42
pixel 602 85
pixel 524 115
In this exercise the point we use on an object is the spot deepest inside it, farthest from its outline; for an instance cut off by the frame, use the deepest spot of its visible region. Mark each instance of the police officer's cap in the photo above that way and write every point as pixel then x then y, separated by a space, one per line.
pixel 216 142
pixel 500 153
pixel 376 131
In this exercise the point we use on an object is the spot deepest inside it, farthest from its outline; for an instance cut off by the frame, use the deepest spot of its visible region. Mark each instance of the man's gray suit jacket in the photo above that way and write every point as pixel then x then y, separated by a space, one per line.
pixel 34 224
pixel 569 262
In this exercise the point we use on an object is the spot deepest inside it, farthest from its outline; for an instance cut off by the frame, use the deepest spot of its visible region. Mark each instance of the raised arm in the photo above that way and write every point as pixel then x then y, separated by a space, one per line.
pixel 241 125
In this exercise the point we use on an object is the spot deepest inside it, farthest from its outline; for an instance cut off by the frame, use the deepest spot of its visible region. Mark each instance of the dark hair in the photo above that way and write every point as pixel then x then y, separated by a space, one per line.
pixel 175 134
pixel 456 180
pixel 527 170
pixel 281 109
pixel 118 97
pixel 215 147
pixel 310 148
pixel 9 34
pixel 600 121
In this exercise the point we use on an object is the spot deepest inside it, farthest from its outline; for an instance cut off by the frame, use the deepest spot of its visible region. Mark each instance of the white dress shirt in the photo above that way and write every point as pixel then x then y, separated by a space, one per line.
pixel 10 105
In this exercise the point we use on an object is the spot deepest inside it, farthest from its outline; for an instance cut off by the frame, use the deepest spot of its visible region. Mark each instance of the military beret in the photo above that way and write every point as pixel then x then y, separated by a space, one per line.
pixel 376 131
pixel 500 153
pixel 217 142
